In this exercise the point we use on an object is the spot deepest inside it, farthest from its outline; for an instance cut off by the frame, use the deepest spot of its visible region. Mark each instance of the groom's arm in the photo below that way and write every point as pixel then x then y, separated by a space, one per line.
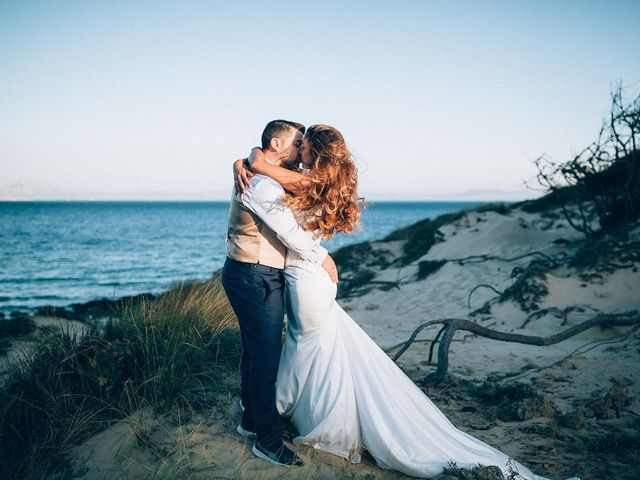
pixel 265 200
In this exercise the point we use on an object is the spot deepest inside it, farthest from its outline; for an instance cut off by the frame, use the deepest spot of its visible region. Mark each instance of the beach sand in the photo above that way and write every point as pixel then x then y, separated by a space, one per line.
pixel 22 346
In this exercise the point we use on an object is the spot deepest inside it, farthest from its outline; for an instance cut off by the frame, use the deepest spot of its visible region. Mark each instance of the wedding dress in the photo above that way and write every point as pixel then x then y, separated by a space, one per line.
pixel 343 393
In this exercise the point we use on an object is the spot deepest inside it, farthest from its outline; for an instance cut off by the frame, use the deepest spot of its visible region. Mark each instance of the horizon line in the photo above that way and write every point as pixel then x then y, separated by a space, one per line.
pixel 211 200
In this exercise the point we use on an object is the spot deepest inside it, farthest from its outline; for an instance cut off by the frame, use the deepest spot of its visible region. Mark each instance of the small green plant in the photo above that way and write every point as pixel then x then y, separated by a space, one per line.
pixel 479 472
pixel 427 267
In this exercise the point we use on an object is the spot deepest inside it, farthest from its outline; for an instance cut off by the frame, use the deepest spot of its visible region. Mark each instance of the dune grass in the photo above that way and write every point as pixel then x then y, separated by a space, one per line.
pixel 180 349
pixel 15 326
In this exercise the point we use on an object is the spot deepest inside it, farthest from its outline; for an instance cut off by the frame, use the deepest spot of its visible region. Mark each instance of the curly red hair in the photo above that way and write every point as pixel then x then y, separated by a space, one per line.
pixel 331 197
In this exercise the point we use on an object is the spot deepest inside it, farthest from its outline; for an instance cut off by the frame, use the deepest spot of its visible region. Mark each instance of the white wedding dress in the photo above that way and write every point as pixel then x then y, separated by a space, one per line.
pixel 343 393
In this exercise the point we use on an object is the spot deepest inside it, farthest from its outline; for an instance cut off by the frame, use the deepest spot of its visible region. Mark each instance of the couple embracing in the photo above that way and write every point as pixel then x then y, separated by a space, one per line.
pixel 341 392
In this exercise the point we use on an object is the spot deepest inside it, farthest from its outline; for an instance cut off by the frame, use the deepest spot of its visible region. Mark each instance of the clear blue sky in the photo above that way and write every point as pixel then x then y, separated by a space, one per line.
pixel 110 100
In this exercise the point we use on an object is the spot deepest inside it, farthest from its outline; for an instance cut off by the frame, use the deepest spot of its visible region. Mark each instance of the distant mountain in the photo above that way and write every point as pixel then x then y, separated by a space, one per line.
pixel 466 195
pixel 29 191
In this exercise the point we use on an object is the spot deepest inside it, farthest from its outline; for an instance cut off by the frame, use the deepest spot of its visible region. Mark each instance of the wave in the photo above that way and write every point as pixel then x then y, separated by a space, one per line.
pixel 23 280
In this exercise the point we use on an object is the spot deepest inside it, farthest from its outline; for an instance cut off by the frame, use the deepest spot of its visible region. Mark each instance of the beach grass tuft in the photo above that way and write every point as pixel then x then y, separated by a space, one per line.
pixel 179 350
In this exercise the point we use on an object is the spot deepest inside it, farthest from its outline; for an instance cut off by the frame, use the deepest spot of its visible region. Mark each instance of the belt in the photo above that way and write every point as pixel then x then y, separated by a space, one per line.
pixel 257 266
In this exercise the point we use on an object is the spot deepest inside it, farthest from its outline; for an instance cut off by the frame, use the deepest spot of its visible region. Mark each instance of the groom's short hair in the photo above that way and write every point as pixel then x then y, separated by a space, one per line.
pixel 275 128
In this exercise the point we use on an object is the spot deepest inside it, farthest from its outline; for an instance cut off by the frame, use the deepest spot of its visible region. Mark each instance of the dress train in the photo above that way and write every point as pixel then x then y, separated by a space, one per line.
pixel 342 392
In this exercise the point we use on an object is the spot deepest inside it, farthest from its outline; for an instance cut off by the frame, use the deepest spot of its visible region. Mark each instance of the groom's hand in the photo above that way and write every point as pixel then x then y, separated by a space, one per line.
pixel 330 266
pixel 241 175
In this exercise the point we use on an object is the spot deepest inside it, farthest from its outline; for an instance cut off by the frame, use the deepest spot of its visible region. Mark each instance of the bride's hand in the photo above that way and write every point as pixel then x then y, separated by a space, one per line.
pixel 329 265
pixel 241 175
pixel 257 160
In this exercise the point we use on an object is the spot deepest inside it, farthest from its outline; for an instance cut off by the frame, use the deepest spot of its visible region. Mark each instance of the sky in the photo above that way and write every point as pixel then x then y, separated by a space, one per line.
pixel 437 100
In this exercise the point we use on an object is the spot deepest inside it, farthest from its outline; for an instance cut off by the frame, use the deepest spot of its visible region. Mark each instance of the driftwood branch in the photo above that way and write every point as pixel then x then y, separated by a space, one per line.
pixel 486 258
pixel 485 285
pixel 355 283
pixel 552 261
pixel 451 325
pixel 557 312
pixel 562 313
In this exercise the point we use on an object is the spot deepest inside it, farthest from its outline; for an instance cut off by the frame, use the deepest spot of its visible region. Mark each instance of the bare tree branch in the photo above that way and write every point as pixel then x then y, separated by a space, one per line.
pixel 451 325
pixel 485 285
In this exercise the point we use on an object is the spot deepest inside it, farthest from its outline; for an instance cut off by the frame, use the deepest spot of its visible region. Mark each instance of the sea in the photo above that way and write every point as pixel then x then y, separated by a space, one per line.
pixel 59 253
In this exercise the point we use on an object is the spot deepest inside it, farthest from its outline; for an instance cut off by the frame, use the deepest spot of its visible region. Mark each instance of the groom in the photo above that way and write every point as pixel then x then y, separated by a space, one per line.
pixel 259 232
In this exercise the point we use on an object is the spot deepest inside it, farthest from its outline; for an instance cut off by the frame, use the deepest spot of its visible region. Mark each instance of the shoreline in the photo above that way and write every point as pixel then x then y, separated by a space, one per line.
pixel 96 309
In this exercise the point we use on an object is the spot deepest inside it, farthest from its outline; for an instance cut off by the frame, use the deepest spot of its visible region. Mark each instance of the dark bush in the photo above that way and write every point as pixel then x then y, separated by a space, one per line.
pixel 427 267
pixel 16 326
pixel 421 236
pixel 599 189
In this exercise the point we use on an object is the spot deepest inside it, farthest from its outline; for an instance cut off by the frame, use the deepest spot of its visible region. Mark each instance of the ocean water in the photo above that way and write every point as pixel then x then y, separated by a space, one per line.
pixel 58 253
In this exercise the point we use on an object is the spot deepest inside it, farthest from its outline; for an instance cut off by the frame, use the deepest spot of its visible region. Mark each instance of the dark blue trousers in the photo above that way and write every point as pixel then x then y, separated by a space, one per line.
pixel 256 295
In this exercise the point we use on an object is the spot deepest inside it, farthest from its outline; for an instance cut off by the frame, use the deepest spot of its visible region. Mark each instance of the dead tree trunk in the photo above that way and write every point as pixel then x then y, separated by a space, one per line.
pixel 451 325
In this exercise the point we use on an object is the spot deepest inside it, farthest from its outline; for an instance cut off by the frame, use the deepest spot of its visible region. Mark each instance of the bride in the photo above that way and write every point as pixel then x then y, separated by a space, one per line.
pixel 340 390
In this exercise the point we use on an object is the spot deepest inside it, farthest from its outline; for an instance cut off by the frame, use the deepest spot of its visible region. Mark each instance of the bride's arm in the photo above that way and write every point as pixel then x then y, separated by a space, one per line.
pixel 290 180
pixel 241 175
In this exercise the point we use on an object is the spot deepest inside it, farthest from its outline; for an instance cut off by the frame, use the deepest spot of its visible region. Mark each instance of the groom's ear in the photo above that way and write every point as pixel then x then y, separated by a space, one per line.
pixel 275 143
